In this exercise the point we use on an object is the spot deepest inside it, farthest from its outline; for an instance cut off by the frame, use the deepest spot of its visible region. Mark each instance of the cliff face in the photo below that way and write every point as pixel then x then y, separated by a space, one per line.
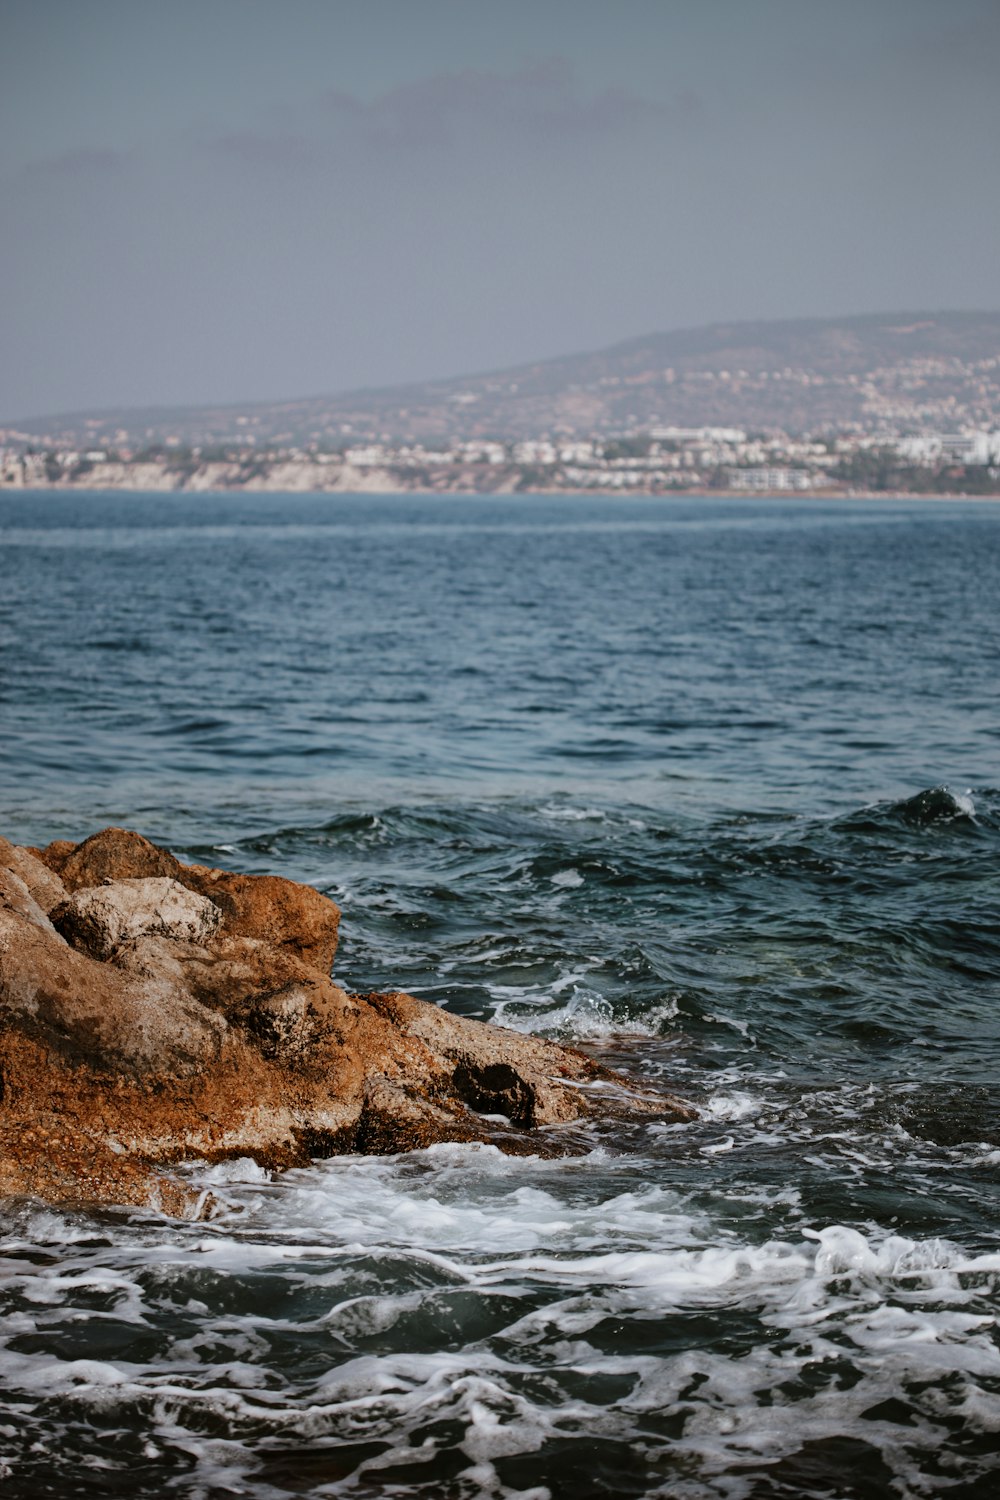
pixel 152 1012
pixel 156 476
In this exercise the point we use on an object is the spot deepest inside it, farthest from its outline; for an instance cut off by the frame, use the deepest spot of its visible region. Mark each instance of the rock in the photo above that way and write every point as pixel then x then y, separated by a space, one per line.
pixel 55 855
pixel 112 854
pixel 60 1166
pixel 98 919
pixel 94 1016
pixel 43 884
pixel 267 907
pixel 16 897
pixel 499 1073
pixel 273 910
pixel 169 1011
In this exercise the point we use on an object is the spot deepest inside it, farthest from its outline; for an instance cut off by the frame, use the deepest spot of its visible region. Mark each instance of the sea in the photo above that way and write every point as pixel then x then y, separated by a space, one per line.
pixel 709 787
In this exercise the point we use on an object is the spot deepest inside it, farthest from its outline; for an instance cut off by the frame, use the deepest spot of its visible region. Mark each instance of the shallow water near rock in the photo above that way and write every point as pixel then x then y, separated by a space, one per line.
pixel 710 787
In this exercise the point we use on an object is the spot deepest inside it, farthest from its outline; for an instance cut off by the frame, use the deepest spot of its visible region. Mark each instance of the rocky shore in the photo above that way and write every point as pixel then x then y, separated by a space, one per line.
pixel 153 1012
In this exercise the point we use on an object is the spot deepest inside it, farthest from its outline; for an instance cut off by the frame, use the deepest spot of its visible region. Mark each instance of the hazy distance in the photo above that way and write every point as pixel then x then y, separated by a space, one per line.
pixel 229 200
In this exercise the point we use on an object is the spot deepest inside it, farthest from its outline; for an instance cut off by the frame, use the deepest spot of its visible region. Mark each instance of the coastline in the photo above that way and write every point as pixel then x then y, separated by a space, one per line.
pixel 798 496
pixel 381 473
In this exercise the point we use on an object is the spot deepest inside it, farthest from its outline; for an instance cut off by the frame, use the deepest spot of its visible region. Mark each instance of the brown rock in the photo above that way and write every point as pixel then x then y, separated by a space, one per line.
pixel 43 884
pixel 56 854
pixel 165 1033
pixel 525 1079
pixel 16 897
pixel 392 1119
pixel 94 1015
pixel 267 907
pixel 112 854
pixel 59 1164
pixel 273 910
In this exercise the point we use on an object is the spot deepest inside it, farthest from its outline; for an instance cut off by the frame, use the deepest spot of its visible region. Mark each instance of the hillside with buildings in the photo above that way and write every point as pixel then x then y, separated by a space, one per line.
pixel 912 374
pixel 905 403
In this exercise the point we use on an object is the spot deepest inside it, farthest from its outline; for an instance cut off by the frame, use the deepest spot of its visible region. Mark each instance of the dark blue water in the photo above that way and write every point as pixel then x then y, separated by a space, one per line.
pixel 710 786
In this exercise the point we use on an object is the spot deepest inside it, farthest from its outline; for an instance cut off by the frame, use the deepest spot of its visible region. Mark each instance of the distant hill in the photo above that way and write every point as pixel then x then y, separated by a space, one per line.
pixel 909 371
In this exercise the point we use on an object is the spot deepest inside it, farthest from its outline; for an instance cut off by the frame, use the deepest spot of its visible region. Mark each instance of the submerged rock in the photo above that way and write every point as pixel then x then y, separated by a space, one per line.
pixel 152 1012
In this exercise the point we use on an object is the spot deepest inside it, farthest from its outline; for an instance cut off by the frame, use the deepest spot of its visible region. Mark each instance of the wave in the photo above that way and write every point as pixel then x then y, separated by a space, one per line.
pixel 938 804
pixel 933 807
pixel 362 1326
pixel 866 944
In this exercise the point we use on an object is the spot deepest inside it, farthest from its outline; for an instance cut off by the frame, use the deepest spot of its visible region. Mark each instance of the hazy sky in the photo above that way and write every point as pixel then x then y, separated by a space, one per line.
pixel 218 200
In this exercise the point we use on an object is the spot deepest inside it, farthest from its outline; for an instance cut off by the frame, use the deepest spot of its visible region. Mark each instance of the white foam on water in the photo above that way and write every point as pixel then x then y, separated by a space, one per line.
pixel 566 1006
pixel 963 801
pixel 240 1169
pixel 375 1265
pixel 559 813
pixel 717 1147
pixel 450 1199
pixel 735 1105
pixel 584 1015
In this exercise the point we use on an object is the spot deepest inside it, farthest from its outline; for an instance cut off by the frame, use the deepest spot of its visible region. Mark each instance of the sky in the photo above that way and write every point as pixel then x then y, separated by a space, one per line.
pixel 235 200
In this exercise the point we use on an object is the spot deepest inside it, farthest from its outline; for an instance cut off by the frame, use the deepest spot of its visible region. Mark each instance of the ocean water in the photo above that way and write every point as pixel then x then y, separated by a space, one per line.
pixel 711 787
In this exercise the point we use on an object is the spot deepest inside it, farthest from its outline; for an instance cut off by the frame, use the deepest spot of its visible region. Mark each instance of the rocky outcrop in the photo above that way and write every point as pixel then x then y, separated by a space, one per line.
pixel 153 1012
pixel 266 907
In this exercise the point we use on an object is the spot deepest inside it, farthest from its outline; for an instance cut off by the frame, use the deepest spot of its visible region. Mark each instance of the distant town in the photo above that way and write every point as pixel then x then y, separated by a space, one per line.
pixel 887 404
pixel 663 460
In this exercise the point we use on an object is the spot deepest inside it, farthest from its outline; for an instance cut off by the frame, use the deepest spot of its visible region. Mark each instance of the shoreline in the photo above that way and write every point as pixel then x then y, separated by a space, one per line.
pixel 799 496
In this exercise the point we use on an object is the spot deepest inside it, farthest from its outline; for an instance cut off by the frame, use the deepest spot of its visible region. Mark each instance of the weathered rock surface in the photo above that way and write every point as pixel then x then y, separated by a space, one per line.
pixel 99 919
pixel 152 1012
